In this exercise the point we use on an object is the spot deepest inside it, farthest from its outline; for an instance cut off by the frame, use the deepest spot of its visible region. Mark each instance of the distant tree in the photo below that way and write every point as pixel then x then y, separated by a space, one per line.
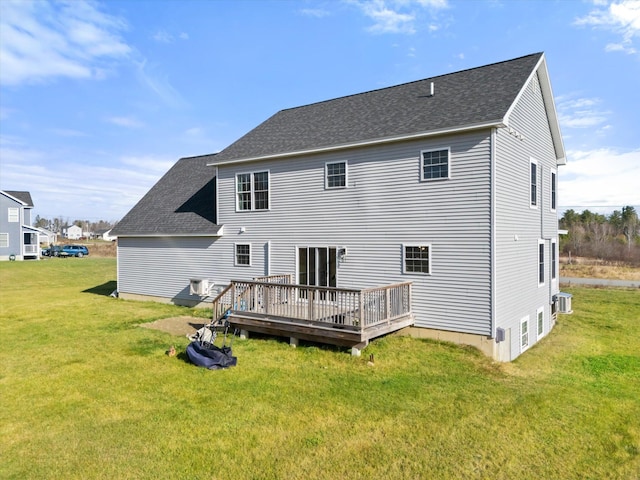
pixel 630 224
pixel 41 222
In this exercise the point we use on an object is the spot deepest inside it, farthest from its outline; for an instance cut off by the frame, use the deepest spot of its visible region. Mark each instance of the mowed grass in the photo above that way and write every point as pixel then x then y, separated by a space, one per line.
pixel 85 393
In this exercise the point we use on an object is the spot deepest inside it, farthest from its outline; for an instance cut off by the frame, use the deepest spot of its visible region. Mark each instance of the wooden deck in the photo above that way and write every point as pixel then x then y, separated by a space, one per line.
pixel 335 316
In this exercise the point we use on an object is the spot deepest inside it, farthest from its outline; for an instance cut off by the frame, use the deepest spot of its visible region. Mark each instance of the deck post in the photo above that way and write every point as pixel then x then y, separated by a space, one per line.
pixel 244 334
pixel 356 350
pixel 293 342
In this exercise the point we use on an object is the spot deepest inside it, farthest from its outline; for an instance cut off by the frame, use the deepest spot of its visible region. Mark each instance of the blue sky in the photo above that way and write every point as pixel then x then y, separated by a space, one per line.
pixel 99 99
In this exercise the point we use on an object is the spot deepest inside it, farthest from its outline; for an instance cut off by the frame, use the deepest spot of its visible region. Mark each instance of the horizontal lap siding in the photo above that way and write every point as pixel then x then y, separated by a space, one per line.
pixel 384 206
pixel 518 227
pixel 162 267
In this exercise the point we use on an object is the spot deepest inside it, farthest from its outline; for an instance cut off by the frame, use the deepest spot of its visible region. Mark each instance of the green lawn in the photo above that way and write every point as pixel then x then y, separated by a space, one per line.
pixel 85 393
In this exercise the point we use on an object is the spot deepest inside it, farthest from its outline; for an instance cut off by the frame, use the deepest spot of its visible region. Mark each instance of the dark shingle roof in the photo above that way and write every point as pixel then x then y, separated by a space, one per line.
pixel 182 202
pixel 471 97
pixel 24 197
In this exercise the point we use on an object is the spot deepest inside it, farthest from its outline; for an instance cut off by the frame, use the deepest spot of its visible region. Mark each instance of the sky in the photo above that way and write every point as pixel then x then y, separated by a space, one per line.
pixel 99 99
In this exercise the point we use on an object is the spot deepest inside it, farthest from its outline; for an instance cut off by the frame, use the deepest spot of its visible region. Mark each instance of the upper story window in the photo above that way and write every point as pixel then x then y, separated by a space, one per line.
pixel 252 191
pixel 554 189
pixel 417 259
pixel 435 164
pixel 534 183
pixel 14 214
pixel 336 175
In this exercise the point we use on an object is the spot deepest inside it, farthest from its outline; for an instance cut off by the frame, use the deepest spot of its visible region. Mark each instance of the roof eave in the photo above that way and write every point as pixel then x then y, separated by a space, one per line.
pixel 218 233
pixel 365 143
pixel 550 107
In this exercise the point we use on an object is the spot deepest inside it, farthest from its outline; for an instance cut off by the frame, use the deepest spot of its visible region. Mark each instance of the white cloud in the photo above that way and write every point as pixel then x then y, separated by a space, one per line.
pixel 398 16
pixel 104 192
pixel 162 36
pixel 315 12
pixel 127 122
pixel 580 112
pixel 42 40
pixel 159 84
pixel 622 18
pixel 600 178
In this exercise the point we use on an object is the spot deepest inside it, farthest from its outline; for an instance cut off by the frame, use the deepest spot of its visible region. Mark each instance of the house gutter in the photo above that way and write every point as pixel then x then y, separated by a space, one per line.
pixel 378 141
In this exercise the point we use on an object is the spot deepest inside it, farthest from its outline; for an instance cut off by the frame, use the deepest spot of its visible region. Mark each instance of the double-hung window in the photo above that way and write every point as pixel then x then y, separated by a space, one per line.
pixel 4 240
pixel 14 214
pixel 252 191
pixel 540 322
pixel 417 259
pixel 554 190
pixel 524 334
pixel 533 189
pixel 336 175
pixel 540 262
pixel 554 259
pixel 243 254
pixel 435 164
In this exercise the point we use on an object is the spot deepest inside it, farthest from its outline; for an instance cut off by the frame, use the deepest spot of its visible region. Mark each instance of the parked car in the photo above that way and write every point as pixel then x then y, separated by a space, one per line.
pixel 52 251
pixel 75 250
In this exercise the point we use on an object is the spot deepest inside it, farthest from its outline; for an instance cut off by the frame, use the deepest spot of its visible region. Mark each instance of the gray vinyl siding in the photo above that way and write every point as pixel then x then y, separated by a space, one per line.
pixel 518 226
pixel 384 206
pixel 162 266
pixel 14 229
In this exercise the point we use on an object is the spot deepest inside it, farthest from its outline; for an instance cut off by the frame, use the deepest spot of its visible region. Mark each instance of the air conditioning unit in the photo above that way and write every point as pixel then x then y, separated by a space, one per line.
pixel 199 286
pixel 564 302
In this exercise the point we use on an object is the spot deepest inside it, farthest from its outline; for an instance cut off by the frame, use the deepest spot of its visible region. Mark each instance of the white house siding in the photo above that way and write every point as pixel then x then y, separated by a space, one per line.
pixel 163 266
pixel 384 206
pixel 519 227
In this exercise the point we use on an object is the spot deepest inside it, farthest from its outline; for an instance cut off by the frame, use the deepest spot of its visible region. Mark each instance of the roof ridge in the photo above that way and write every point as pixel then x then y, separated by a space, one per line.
pixel 411 82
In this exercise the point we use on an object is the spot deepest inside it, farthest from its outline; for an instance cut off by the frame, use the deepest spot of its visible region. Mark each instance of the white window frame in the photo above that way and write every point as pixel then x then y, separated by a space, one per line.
pixel 252 192
pixel 422 152
pixel 524 331
pixel 326 175
pixel 553 190
pixel 4 240
pixel 541 263
pixel 236 255
pixel 539 315
pixel 13 215
pixel 553 261
pixel 429 248
pixel 533 202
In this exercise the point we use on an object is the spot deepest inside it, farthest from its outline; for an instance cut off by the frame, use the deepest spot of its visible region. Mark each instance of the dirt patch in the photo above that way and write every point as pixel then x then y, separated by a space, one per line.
pixel 176 325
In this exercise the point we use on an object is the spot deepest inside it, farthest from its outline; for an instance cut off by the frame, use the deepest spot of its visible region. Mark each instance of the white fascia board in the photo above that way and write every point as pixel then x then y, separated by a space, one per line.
pixel 219 233
pixel 23 204
pixel 365 143
pixel 550 107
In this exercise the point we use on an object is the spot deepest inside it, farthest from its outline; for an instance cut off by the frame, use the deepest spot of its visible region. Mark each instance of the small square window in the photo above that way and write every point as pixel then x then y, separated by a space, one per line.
pixel 435 164
pixel 243 254
pixel 336 175
pixel 417 259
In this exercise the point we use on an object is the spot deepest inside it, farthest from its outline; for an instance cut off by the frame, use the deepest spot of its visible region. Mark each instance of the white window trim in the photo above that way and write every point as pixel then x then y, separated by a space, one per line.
pixel 539 334
pixel 404 258
pixel 524 321
pixel 253 199
pixel 544 263
pixel 554 171
pixel 13 215
pixel 553 260
pixel 235 255
pixel 533 161
pixel 449 162
pixel 5 235
pixel 326 175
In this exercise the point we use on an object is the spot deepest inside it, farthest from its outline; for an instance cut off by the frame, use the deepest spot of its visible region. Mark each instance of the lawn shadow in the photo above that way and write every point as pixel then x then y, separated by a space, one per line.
pixel 105 289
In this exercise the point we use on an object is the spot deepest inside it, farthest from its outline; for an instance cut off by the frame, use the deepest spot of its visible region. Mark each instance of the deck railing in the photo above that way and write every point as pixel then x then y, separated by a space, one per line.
pixel 31 250
pixel 325 306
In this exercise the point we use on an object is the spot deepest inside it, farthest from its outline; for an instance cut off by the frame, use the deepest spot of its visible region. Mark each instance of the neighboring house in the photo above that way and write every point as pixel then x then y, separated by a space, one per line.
pixel 47 237
pixel 18 239
pixel 105 235
pixel 72 232
pixel 449 183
